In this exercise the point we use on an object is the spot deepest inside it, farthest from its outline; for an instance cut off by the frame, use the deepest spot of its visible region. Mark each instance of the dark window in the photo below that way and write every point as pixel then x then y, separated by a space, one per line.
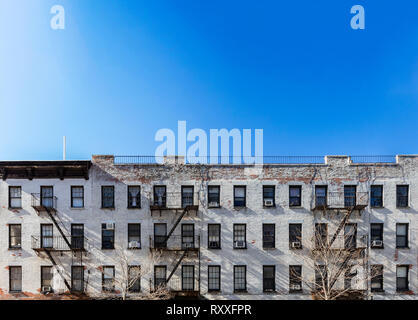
pixel 46 277
pixel 214 236
pixel 240 237
pixel 77 236
pixel 402 196
pixel 269 235
pixel 295 278
pixel 350 236
pixel 108 236
pixel 134 281
pixel 269 196
pixel 377 277
pixel 402 235
pixel 108 279
pixel 349 274
pixel 269 282
pixel 321 235
pixel 134 235
pixel 214 196
pixel 15 277
pixel 295 196
pixel 77 278
pixel 108 196
pixel 376 235
pixel 15 197
pixel 160 276
pixel 47 197
pixel 402 283
pixel 376 196
pixel 187 235
pixel 320 196
pixel 349 196
pixel 77 196
pixel 186 196
pixel 47 235
pixel 240 278
pixel 240 196
pixel 160 196
pixel 160 235
pixel 134 197
pixel 214 278
pixel 321 277
pixel 15 236
pixel 187 278
pixel 295 235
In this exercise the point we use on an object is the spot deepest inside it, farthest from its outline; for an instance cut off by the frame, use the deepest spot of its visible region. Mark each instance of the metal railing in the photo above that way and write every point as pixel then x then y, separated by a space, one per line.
pixel 59 243
pixel 175 242
pixel 342 200
pixel 341 242
pixel 373 159
pixel 40 202
pixel 175 200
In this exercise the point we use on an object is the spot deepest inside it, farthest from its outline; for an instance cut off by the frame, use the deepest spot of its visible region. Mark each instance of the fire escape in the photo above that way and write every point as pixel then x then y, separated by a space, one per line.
pixel 179 247
pixel 347 248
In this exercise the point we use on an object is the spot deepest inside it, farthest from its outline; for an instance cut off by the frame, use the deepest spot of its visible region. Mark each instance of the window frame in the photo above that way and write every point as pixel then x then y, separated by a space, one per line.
pixel 292 235
pixel 43 279
pixel 113 238
pixel 378 278
pixel 398 186
pixel 273 197
pixel 299 203
pixel 321 232
pixel 372 205
pixel 184 272
pixel 234 235
pixel 244 198
pixel 273 289
pixel 292 280
pixel 137 281
pixel 163 267
pixel 398 289
pixel 183 205
pixel 129 234
pixel 73 279
pixel 19 237
pixel 406 236
pixel 317 187
pixel 113 287
pixel 10 197
pixel 218 267
pixel 219 196
pixel 11 268
pixel 138 197
pixel 74 242
pixel 72 197
pixel 273 241
pixel 218 225
pixel 244 278
pixel 380 235
pixel 164 197
pixel 113 197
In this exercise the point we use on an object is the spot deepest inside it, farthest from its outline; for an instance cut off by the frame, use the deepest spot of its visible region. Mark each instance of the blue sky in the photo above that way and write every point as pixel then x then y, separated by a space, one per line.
pixel 121 70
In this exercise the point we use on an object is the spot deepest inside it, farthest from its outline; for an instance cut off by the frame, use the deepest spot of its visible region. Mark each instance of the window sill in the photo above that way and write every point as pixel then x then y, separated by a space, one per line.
pixel 295 207
pixel 291 248
pixel 377 291
pixel 134 248
pixel 16 248
pixel 407 207
pixel 130 208
pixel 406 292
pixel 214 207
pixel 380 207
pixel 217 248
pixel 240 291
pixel 108 248
pixel 240 248
pixel 402 248
pixel 295 291
pixel 269 207
pixel 269 248
pixel 15 208
pixel 269 291
pixel 239 207
pixel 107 208
pixel 77 208
pixel 214 291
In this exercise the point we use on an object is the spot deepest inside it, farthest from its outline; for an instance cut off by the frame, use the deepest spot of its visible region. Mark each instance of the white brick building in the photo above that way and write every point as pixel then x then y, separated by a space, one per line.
pixel 92 203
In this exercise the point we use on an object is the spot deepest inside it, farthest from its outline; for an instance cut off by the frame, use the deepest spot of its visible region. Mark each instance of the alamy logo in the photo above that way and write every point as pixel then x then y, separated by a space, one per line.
pixel 58 20
pixel 197 152
pixel 357 21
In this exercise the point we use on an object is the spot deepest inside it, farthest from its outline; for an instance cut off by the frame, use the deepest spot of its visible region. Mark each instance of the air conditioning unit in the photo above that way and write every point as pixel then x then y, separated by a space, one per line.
pixel 110 225
pixel 377 243
pixel 46 289
pixel 268 202
pixel 188 245
pixel 134 245
pixel 295 287
pixel 213 244
pixel 296 244
pixel 240 244
pixel 213 204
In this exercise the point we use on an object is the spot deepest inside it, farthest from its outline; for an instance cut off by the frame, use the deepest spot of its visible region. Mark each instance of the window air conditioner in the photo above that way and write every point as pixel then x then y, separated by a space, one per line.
pixel 268 202
pixel 46 289
pixel 134 245
pixel 213 204
pixel 240 244
pixel 295 287
pixel 110 225
pixel 377 243
pixel 213 244
pixel 296 244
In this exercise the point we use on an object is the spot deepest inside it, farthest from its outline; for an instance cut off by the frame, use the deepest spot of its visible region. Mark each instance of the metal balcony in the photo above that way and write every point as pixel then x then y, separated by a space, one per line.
pixel 59 243
pixel 175 201
pixel 341 200
pixel 43 204
pixel 175 243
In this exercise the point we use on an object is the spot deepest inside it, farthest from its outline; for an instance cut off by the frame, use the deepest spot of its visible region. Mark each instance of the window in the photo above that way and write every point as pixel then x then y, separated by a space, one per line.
pixel 47 197
pixel 269 196
pixel 350 236
pixel 402 235
pixel 77 236
pixel 160 274
pixel 240 196
pixel 15 197
pixel 321 235
pixel 295 278
pixel 160 196
pixel 15 236
pixel 376 277
pixel 349 274
pixel 402 283
pixel 134 197
pixel 47 235
pixel 160 235
pixel 269 282
pixel 402 196
pixel 108 197
pixel 77 197
pixel 214 278
pixel 77 278
pixel 376 196
pixel 376 235
pixel 187 235
pixel 108 236
pixel 321 277
pixel 134 281
pixel 187 278
pixel 320 196
pixel 186 196
pixel 46 277
pixel 240 278
pixel 108 279
pixel 295 236
pixel 15 279
pixel 269 232
pixel 295 196
pixel 240 238
pixel 214 196
pixel 134 236
pixel 349 196
pixel 214 236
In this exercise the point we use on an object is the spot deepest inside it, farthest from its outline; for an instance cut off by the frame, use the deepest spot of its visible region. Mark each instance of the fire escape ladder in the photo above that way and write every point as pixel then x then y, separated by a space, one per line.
pixel 185 210
pixel 57 268
pixel 340 269
pixel 177 264
pixel 341 226
pixel 59 228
